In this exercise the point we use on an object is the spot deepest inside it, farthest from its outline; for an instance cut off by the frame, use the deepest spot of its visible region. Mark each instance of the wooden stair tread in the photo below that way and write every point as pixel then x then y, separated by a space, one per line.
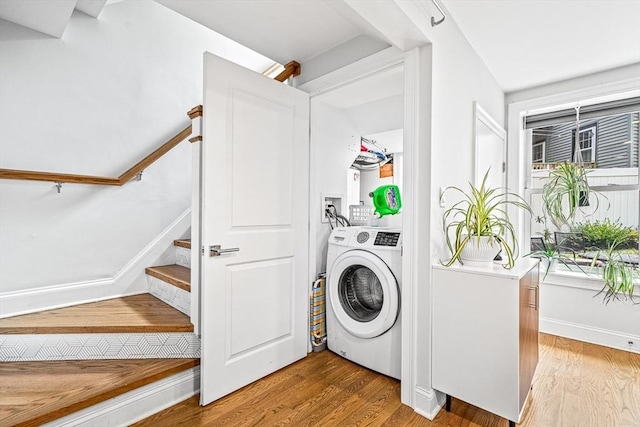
pixel 136 313
pixel 175 274
pixel 33 393
pixel 183 243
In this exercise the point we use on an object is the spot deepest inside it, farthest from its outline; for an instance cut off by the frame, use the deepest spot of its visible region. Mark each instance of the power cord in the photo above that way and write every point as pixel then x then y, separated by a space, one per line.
pixel 332 214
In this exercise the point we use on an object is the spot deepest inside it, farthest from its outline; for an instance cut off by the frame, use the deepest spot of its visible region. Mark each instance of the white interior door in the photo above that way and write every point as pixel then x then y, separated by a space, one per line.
pixel 255 197
pixel 490 150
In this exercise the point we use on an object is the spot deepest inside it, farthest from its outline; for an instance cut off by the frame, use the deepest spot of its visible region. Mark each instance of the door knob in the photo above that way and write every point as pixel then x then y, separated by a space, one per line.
pixel 216 250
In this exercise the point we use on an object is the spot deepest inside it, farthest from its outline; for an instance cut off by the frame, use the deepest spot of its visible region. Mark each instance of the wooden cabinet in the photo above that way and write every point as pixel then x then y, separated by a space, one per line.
pixel 485 334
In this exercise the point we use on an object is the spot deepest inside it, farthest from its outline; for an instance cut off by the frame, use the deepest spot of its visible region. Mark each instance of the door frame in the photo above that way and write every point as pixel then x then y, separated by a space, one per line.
pixel 414 111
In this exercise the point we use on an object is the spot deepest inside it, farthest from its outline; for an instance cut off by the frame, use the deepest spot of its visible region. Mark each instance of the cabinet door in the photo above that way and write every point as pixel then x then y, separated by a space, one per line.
pixel 529 297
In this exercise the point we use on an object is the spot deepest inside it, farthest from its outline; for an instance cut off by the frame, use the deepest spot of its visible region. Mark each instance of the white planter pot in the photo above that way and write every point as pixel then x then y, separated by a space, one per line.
pixel 479 251
pixel 548 266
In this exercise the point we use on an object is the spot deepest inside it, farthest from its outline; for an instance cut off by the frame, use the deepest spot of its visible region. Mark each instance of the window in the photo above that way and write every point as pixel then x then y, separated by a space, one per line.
pixel 587 141
pixel 612 210
pixel 537 152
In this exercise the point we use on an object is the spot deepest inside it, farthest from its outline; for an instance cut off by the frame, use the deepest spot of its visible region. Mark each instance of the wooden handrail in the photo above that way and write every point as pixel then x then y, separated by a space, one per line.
pixel 98 180
pixel 290 69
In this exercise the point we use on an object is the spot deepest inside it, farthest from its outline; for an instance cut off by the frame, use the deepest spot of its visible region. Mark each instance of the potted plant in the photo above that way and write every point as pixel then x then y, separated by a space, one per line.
pixel 550 255
pixel 619 276
pixel 566 191
pixel 480 225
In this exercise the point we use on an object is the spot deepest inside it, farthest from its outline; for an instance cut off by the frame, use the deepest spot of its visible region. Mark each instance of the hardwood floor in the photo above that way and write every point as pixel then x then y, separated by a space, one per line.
pixel 576 384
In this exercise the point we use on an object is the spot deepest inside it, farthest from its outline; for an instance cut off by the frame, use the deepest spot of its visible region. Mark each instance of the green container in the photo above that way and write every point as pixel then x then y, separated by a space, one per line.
pixel 386 200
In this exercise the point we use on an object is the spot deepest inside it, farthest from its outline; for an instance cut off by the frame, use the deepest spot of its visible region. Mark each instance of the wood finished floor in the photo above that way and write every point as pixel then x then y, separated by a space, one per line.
pixel 576 384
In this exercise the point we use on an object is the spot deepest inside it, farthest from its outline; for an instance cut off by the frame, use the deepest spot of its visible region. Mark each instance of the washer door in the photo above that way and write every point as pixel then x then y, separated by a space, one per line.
pixel 364 294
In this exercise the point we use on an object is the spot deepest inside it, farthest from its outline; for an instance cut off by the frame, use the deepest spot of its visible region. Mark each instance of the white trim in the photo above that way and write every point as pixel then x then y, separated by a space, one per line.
pixel 138 404
pixel 386 59
pixel 589 334
pixel 130 280
pixel 428 402
pixel 196 242
pixel 480 115
pixel 410 213
pixel 593 140
pixel 544 148
pixel 517 152
pixel 372 64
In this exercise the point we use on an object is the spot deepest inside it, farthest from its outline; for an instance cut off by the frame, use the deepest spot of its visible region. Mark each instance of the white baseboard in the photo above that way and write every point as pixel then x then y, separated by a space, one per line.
pixel 590 334
pixel 130 280
pixel 428 402
pixel 137 404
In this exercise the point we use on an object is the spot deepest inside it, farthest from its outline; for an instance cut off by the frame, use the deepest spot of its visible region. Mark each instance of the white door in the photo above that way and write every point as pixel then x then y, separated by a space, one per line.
pixel 490 150
pixel 255 197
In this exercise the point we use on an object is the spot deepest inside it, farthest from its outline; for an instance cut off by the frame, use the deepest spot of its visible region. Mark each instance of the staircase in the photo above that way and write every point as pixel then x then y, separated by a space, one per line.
pixel 109 362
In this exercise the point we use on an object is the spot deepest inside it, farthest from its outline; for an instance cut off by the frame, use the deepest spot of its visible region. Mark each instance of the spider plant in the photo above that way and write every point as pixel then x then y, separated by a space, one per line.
pixel 565 192
pixel 552 253
pixel 482 212
pixel 619 276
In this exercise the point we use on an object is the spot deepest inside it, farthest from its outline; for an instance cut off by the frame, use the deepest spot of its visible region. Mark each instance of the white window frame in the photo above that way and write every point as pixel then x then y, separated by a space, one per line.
pixel 594 141
pixel 520 142
pixel 543 143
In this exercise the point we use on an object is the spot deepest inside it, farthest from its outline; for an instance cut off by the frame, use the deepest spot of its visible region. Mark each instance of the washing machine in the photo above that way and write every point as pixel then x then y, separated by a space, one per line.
pixel 364 281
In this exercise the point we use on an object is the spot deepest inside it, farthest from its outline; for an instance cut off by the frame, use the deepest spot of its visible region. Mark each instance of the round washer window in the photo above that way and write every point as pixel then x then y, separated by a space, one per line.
pixel 361 294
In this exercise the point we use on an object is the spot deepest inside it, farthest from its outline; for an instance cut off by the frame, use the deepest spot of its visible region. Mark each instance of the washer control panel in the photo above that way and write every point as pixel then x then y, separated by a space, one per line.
pixel 386 239
pixel 362 237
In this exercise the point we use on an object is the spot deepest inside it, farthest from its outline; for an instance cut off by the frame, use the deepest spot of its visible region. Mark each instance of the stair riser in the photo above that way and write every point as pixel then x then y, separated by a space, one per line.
pixel 24 348
pixel 128 408
pixel 175 297
pixel 183 257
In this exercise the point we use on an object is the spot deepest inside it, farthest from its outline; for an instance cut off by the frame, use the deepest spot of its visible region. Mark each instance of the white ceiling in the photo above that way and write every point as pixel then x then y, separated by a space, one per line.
pixel 527 43
pixel 283 30
pixel 47 16
pixel 378 86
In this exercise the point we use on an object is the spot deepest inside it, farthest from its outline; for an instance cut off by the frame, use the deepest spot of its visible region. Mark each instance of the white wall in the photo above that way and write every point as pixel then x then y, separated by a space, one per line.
pixel 458 78
pixel 95 102
pixel 570 308
pixel 331 134
pixel 333 129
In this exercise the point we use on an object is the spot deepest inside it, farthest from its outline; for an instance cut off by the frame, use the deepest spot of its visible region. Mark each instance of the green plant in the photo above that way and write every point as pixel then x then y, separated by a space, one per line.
pixel 551 253
pixel 602 234
pixel 618 275
pixel 564 193
pixel 482 212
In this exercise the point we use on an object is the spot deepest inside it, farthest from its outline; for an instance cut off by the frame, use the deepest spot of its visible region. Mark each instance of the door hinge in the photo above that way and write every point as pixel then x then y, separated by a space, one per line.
pixel 504 167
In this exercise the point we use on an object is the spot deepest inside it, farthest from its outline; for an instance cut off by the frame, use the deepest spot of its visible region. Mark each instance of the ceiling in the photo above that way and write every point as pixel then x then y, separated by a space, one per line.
pixel 279 29
pixel 527 43
pixel 46 16
pixel 524 43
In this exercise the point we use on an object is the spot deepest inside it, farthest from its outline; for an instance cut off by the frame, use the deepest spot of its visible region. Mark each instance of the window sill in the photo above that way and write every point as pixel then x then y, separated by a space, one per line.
pixel 578 280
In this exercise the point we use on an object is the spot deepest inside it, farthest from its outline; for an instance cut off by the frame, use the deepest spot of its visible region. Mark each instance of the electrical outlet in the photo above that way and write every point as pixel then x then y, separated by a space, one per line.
pixel 328 201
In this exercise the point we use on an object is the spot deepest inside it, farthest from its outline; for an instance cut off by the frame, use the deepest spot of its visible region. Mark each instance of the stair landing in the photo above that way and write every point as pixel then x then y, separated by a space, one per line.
pixel 33 393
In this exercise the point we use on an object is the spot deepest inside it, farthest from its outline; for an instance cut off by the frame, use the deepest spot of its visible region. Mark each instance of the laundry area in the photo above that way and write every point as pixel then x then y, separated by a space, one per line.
pixel 356 212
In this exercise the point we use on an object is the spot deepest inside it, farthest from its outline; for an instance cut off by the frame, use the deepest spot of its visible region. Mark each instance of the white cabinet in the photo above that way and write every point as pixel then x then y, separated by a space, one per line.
pixel 485 334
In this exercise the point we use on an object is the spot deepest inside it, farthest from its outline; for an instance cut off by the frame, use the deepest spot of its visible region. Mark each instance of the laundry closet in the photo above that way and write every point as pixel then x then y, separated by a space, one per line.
pixel 356 150
pixel 371 108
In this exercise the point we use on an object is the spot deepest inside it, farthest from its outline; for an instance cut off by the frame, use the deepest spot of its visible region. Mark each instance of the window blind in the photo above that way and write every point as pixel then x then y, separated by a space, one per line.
pixel 611 108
